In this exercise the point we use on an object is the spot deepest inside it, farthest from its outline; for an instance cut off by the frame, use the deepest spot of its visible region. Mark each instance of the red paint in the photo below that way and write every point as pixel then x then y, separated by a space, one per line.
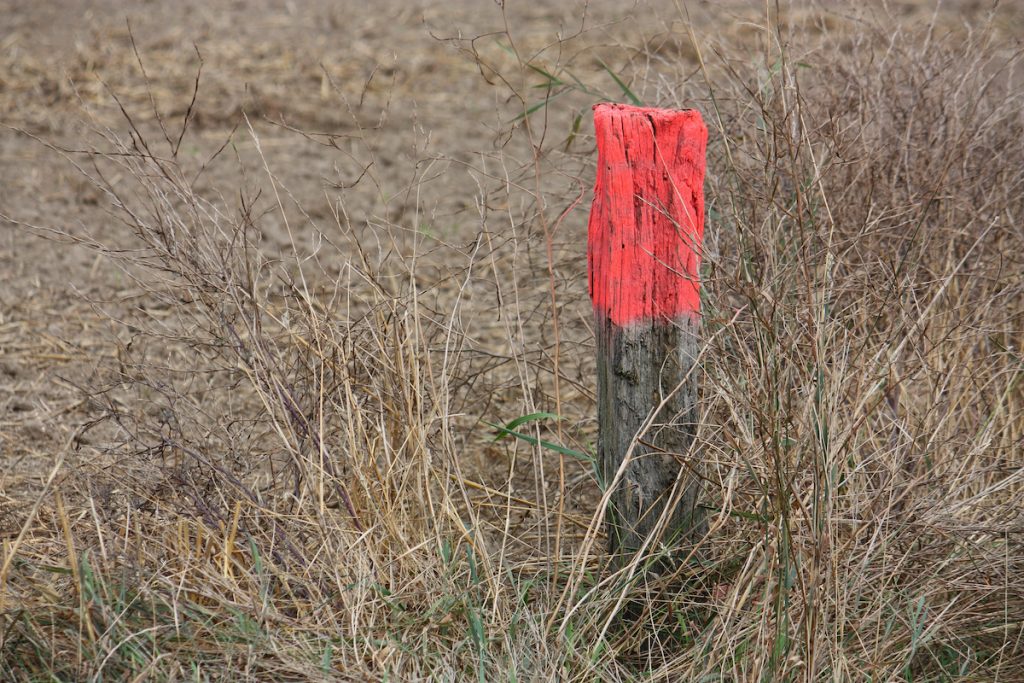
pixel 647 219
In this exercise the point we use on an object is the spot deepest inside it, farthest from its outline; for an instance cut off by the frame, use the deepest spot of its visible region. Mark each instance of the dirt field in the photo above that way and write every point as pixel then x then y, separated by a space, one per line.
pixel 359 133
pixel 402 71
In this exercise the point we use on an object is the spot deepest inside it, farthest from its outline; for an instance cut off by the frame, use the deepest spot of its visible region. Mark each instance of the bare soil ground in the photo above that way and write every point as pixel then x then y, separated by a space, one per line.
pixel 401 70
pixel 399 86
pixel 398 116
pixel 315 66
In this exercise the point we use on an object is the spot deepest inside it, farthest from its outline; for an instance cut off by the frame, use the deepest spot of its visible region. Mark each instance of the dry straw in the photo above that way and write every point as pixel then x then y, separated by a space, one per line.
pixel 291 477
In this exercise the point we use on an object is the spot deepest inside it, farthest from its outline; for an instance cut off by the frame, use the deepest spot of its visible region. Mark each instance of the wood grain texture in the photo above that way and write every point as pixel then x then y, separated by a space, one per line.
pixel 646 227
pixel 642 368
pixel 647 219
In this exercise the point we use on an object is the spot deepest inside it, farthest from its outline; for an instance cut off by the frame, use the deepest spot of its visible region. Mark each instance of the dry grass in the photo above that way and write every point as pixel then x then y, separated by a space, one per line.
pixel 289 477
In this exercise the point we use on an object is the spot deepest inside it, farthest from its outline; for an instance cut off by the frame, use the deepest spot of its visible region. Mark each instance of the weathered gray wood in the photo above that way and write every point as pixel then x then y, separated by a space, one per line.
pixel 644 247
pixel 640 367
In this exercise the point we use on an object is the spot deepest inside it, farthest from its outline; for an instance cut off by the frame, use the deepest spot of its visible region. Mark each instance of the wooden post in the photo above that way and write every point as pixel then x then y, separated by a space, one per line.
pixel 646 226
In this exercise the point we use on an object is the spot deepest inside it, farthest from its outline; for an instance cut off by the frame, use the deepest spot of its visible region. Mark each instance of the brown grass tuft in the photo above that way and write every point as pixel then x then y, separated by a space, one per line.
pixel 286 471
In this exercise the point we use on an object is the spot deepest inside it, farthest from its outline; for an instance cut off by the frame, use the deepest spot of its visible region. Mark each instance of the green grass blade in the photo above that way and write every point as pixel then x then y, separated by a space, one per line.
pixel 625 88
pixel 552 79
pixel 523 420
pixel 575 130
pixel 505 431
pixel 540 105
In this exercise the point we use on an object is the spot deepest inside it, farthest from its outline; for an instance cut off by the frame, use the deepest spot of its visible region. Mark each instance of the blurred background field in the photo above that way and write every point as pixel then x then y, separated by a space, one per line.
pixel 254 335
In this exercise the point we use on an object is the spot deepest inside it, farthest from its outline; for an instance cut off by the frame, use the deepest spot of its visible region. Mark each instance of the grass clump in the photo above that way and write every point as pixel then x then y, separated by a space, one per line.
pixel 290 472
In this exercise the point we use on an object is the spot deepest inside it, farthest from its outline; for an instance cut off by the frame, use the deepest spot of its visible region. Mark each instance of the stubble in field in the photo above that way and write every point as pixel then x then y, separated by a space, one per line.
pixel 269 277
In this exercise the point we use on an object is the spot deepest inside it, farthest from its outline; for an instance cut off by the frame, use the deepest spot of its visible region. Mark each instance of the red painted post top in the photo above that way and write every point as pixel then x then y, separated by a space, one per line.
pixel 647 219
